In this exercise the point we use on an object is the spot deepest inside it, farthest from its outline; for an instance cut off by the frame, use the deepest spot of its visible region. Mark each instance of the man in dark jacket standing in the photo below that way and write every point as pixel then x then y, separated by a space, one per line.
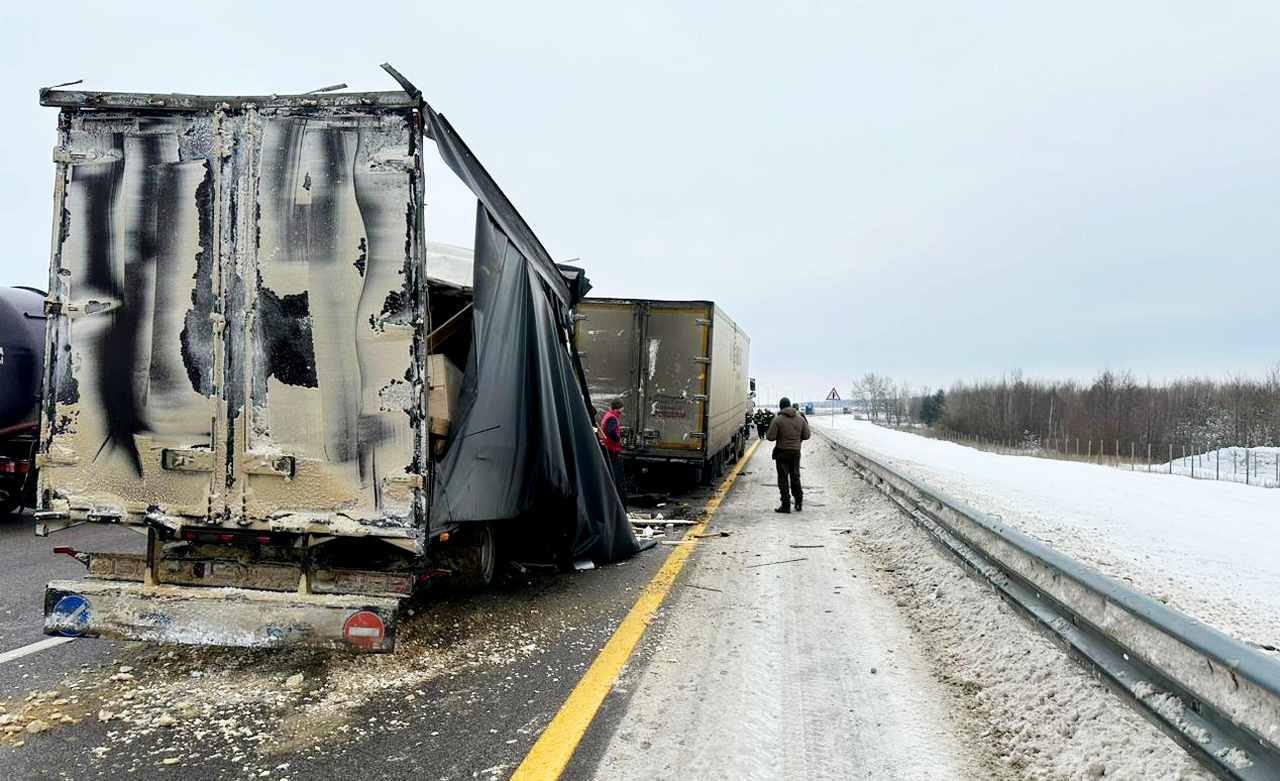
pixel 788 429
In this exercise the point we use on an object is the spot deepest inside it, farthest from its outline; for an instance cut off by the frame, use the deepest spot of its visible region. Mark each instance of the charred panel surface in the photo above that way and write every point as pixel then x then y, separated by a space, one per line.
pixel 128 275
pixel 335 225
pixel 241 283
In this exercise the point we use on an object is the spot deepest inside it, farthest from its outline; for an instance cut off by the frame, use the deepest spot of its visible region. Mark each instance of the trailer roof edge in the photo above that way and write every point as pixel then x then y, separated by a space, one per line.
pixel 180 102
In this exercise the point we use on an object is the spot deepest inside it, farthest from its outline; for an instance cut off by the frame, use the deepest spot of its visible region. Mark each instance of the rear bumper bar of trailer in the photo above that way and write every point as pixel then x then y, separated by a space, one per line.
pixel 195 615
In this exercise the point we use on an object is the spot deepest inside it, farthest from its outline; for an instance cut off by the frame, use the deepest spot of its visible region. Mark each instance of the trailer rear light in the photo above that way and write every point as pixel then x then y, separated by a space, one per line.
pixel 67 550
pixel 264 539
pixel 11 467
pixel 400 585
pixel 444 536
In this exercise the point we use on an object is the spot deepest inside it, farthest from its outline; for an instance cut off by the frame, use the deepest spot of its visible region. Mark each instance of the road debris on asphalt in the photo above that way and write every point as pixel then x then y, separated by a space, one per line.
pixel 771 563
pixel 704 588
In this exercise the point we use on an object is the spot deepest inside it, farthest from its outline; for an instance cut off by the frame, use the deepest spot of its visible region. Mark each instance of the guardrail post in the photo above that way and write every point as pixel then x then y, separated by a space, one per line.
pixel 1170 458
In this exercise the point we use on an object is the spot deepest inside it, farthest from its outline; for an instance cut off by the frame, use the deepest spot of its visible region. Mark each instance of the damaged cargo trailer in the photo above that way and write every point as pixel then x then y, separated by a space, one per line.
pixel 250 362
pixel 680 369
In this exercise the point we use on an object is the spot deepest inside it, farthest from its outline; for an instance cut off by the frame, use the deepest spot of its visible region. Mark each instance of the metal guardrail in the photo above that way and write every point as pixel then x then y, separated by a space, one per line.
pixel 1215 696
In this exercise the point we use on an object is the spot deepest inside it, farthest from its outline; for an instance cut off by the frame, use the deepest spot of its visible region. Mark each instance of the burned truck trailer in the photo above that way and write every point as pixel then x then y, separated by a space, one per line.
pixel 249 362
pixel 680 369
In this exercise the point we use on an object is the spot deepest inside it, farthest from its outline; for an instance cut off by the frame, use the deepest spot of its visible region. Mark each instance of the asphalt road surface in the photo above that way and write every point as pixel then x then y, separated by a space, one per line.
pixel 747 672
pixel 776 659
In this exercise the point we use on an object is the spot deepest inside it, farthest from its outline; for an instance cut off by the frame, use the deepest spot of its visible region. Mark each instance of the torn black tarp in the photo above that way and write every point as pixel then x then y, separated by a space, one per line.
pixel 523 447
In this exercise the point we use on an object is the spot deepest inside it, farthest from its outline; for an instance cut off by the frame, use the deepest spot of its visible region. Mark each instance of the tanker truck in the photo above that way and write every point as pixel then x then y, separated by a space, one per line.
pixel 251 363
pixel 21 361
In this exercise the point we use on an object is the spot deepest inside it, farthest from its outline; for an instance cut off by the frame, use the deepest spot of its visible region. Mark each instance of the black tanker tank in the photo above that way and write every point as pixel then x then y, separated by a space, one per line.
pixel 21 355
pixel 21 364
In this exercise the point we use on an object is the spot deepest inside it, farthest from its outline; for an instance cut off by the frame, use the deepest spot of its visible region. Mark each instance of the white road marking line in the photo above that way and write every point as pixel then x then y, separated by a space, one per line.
pixel 36 647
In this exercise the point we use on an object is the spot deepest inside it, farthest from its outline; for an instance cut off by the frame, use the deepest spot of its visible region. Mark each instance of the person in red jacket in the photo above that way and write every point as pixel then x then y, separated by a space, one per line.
pixel 611 440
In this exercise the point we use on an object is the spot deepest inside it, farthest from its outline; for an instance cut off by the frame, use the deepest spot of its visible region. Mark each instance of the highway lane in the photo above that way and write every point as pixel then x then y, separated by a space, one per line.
pixel 27 562
pixel 776 658
pixel 473 682
pixel 747 672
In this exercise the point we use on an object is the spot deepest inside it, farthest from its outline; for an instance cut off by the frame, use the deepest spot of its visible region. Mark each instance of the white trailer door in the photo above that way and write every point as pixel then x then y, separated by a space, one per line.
pixel 675 365
pixel 236 315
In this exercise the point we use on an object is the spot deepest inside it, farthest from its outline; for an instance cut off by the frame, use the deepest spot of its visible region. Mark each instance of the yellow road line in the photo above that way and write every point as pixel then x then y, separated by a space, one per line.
pixel 549 756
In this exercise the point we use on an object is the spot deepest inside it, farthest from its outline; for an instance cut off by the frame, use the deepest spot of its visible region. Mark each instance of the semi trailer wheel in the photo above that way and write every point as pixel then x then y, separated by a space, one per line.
pixel 10 502
pixel 470 556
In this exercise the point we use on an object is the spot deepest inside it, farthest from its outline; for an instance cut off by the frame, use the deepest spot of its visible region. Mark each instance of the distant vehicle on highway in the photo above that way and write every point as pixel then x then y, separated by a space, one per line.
pixel 681 371
pixel 21 363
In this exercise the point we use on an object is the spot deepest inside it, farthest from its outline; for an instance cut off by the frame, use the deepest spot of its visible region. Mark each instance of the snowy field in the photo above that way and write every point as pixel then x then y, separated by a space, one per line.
pixel 1210 549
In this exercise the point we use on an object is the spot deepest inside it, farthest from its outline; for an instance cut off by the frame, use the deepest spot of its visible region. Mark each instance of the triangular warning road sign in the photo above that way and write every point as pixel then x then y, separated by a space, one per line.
pixel 833 396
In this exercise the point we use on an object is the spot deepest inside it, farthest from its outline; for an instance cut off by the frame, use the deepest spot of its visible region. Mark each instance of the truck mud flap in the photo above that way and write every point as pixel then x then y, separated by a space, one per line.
pixel 219 616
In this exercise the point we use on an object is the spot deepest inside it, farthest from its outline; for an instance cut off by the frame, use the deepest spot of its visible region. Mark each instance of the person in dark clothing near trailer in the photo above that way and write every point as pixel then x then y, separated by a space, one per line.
pixel 787 431
pixel 762 420
pixel 611 440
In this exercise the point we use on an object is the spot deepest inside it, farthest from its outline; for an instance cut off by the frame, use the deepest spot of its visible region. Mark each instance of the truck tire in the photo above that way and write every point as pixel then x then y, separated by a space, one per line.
pixel 698 475
pixel 10 502
pixel 471 557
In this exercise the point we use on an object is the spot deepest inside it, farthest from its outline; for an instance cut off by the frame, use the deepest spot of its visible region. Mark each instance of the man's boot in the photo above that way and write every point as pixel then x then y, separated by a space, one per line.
pixel 799 503
pixel 782 509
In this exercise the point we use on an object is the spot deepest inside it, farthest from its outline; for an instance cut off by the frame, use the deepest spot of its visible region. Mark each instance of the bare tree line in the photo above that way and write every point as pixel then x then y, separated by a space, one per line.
pixel 1200 412
pixel 883 399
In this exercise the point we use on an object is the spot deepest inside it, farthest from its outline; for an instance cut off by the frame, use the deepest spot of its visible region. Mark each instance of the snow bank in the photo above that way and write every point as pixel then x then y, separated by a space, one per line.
pixel 1210 549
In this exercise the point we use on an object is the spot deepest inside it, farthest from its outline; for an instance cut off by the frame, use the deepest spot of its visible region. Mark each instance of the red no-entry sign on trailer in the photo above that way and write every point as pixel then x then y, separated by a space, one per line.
pixel 364 630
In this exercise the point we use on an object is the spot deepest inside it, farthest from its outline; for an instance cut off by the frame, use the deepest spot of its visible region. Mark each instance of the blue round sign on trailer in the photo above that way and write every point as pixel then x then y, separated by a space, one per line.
pixel 71 615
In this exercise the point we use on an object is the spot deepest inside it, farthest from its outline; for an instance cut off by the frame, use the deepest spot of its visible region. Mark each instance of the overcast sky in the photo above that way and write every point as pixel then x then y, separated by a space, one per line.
pixel 926 192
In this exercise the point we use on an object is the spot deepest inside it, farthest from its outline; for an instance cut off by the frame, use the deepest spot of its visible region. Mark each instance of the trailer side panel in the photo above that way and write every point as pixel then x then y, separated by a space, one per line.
pixel 730 356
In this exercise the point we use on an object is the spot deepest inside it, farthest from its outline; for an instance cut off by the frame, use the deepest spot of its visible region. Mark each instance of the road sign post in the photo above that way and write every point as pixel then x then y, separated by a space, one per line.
pixel 833 396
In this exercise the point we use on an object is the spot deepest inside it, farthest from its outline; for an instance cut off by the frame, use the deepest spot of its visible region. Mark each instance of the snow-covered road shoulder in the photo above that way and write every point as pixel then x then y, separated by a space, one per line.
pixel 1039 715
